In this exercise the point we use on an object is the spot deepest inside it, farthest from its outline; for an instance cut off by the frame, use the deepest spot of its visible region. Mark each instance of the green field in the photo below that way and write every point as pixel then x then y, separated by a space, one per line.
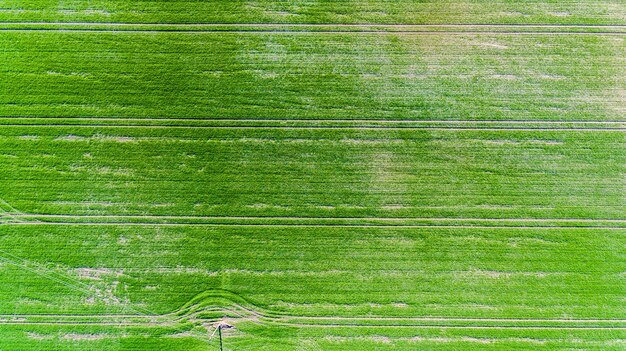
pixel 322 175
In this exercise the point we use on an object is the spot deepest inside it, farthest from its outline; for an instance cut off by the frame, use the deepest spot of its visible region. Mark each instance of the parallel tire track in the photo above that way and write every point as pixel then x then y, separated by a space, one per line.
pixel 127 126
pixel 169 217
pixel 277 31
pixel 322 25
pixel 306 120
pixel 348 222
pixel 371 28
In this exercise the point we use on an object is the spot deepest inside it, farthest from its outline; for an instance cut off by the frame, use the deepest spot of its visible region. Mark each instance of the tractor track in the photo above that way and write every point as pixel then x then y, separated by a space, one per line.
pixel 328 127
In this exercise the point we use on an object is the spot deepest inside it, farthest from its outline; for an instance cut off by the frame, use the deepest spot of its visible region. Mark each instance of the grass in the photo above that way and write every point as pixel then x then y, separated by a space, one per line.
pixel 494 273
pixel 313 75
pixel 308 11
pixel 371 187
pixel 314 173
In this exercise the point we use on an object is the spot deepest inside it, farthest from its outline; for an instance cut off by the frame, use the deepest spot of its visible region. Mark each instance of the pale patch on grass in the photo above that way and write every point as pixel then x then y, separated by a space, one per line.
pixel 98 137
pixel 268 141
pixel 15 11
pixel 395 242
pixel 502 274
pixel 97 273
pixel 400 305
pixel 70 74
pixel 495 207
pixel 353 207
pixel 102 170
pixel 381 165
pixel 30 301
pixel 479 240
pixel 89 203
pixel 84 337
pixel 414 76
pixel 183 270
pixel 70 137
pixel 515 14
pixel 29 137
pixel 342 307
pixel 460 339
pixel 118 139
pixel 182 335
pixel 373 338
pixel 164 204
pixel 38 336
pixel 216 73
pixel 518 142
pixel 497 141
pixel 490 274
pixel 90 300
pixel 550 76
pixel 266 74
pixel 491 45
pixel 279 13
pixel 620 94
pixel 266 206
pixel 370 76
pixel 308 345
pixel 371 141
pixel 560 14
pixel 546 142
pixel 452 340
pixel 394 207
pixel 253 140
pixel 526 340
pixel 435 339
pixel 107 295
pixel 274 273
pixel 532 241
pixel 616 9
pixel 615 342
pixel 97 12
pixel 504 76
pixel 381 339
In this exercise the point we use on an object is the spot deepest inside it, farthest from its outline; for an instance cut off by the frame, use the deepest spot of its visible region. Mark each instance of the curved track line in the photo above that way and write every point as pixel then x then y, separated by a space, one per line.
pixel 217 301
pixel 420 326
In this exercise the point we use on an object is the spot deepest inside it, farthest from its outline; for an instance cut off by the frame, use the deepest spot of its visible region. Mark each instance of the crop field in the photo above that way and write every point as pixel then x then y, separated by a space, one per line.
pixel 320 175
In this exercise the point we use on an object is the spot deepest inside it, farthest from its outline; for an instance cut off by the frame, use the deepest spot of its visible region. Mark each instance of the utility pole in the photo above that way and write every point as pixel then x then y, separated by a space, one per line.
pixel 219 330
pixel 219 327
